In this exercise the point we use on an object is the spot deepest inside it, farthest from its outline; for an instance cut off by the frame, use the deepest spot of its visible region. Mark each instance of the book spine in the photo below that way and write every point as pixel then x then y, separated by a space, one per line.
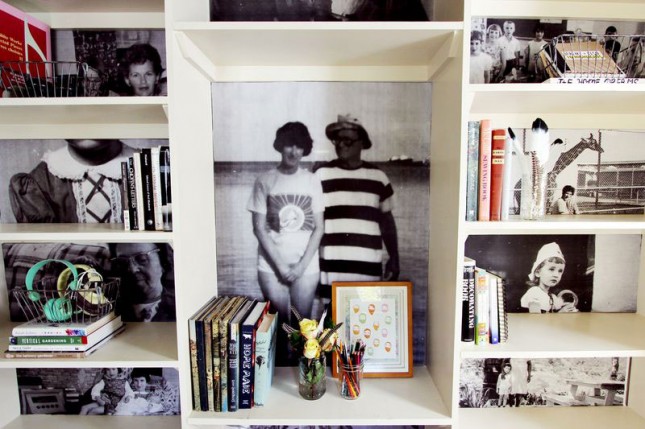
pixel 233 367
pixel 44 329
pixel 507 186
pixel 493 318
pixel 472 171
pixel 482 311
pixel 246 367
pixel 48 347
pixel 156 186
pixel 125 205
pixel 497 173
pixel 166 194
pixel 265 349
pixel 223 364
pixel 201 365
pixel 468 302
pixel 217 367
pixel 141 221
pixel 208 364
pixel 47 340
pixel 485 141
pixel 132 196
pixel 194 365
pixel 148 194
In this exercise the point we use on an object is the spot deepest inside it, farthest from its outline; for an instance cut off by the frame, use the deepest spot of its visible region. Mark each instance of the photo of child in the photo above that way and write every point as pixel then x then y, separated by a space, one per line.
pixel 109 392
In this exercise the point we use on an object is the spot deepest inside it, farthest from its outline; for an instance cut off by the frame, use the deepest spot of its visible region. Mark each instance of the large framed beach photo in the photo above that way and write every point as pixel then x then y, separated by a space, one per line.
pixel 380 315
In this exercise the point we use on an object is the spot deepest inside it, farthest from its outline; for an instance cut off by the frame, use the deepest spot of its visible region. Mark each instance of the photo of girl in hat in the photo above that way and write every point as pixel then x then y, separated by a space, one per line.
pixel 546 274
pixel 287 214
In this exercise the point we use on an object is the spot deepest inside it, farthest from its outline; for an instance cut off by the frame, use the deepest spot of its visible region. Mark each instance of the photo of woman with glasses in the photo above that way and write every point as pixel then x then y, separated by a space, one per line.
pixel 147 281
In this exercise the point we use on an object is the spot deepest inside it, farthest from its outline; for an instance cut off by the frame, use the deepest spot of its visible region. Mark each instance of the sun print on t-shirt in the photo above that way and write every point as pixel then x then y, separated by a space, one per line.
pixel 290 213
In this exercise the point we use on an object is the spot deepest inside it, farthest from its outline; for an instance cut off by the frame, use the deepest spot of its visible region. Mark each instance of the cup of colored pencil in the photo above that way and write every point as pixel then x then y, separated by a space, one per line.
pixel 350 369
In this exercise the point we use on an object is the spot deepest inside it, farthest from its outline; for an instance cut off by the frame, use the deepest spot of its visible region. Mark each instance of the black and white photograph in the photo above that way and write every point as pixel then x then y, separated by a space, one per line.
pixel 504 50
pixel 144 271
pixel 320 10
pixel 601 170
pixel 321 182
pixel 99 391
pixel 562 273
pixel 65 181
pixel 123 62
pixel 543 382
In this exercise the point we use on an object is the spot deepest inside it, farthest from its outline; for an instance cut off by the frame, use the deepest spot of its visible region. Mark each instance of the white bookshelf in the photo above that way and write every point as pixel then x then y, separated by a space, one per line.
pixel 199 53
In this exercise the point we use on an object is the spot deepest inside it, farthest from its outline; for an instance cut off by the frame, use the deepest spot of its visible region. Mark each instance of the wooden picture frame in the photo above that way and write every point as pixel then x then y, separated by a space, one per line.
pixel 379 314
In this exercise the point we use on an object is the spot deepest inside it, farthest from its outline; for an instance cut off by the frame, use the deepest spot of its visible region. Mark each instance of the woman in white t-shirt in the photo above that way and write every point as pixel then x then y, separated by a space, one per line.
pixel 287 208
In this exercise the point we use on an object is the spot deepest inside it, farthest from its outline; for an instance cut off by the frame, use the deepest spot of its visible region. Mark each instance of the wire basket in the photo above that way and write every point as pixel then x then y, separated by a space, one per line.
pixel 594 56
pixel 86 304
pixel 27 79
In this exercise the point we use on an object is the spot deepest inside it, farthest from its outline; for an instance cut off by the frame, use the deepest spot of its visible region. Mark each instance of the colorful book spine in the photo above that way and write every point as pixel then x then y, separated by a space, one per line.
pixel 30 340
pixel 472 171
pixel 482 311
pixel 234 355
pixel 238 301
pixel 90 341
pixel 41 328
pixel 247 353
pixel 265 349
pixel 468 301
pixel 497 173
pixel 494 316
pixel 485 153
pixel 501 311
pixel 507 186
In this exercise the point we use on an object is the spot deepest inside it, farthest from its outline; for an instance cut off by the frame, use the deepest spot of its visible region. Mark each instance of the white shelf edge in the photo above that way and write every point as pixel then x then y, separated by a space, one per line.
pixel 555 88
pixel 95 422
pixel 415 400
pixel 605 11
pixel 579 224
pixel 81 232
pixel 616 417
pixel 566 335
pixel 84 101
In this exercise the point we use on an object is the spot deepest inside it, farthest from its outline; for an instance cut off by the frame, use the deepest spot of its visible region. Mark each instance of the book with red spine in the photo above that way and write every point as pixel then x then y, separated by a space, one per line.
pixel 497 173
pixel 485 153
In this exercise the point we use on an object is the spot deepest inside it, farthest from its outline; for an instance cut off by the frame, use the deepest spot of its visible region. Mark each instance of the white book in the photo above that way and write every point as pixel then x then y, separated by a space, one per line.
pixel 494 315
pixel 139 190
pixel 156 187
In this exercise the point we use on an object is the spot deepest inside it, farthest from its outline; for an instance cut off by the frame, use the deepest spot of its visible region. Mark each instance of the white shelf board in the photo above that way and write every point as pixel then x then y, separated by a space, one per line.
pixel 91 6
pixel 578 224
pixel 616 417
pixel 557 99
pixel 318 50
pixel 392 401
pixel 93 422
pixel 78 232
pixel 152 344
pixel 566 9
pixel 566 335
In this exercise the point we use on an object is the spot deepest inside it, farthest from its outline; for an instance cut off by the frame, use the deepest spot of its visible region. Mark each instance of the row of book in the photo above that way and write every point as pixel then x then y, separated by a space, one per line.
pixel 484 317
pixel 41 339
pixel 232 353
pixel 488 183
pixel 147 197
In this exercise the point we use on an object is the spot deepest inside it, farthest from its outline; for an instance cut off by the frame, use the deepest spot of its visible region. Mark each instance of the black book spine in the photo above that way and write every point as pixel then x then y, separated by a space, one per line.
pixel 166 194
pixel 468 304
pixel 132 196
pixel 148 193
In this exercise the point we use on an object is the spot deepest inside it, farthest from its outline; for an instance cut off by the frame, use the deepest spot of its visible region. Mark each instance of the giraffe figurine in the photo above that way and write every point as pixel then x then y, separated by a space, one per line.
pixel 566 158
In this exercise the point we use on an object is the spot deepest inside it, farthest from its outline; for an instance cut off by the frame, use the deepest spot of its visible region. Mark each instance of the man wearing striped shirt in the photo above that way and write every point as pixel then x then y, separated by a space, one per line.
pixel 358 212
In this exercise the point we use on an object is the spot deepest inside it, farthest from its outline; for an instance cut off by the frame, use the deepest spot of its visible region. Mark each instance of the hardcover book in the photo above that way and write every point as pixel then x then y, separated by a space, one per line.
pixel 147 189
pixel 265 349
pixel 468 302
pixel 210 332
pixel 88 340
pixel 166 192
pixel 247 353
pixel 155 153
pixel 234 354
pixel 40 327
pixel 482 307
pixel 485 153
pixel 138 180
pixel 133 201
pixel 472 171
pixel 236 303
pixel 116 325
pixel 497 173
pixel 493 283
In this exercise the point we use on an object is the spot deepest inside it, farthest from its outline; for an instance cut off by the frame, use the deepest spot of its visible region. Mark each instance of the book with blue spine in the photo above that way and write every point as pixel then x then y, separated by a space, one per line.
pixel 247 353
pixel 265 350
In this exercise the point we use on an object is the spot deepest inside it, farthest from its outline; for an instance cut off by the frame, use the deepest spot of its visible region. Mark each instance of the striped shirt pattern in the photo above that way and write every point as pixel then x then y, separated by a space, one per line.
pixel 355 200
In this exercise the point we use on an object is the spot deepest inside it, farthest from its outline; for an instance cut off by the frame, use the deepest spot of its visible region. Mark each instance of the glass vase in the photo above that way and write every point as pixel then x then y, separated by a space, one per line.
pixel 533 199
pixel 312 381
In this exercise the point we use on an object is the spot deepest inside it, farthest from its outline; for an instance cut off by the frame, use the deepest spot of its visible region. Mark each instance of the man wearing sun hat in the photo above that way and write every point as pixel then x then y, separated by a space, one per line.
pixel 358 211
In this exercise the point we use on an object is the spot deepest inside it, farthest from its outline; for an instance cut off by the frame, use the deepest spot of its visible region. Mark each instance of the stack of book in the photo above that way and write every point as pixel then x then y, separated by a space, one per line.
pixel 40 339
pixel 147 198
pixel 232 353
pixel 488 186
pixel 484 318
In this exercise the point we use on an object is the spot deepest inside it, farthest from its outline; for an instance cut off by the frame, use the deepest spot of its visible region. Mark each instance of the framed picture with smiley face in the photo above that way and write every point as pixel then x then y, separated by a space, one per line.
pixel 377 319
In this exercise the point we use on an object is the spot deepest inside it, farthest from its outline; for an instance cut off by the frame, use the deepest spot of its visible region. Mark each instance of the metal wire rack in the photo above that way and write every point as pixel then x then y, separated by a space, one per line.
pixel 591 56
pixel 28 79
pixel 88 303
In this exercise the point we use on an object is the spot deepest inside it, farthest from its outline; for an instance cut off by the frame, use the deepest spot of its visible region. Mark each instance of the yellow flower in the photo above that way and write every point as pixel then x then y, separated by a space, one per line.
pixel 331 341
pixel 308 328
pixel 311 349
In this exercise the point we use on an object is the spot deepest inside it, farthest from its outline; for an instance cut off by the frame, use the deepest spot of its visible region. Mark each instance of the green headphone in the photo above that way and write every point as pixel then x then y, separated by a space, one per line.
pixel 55 309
